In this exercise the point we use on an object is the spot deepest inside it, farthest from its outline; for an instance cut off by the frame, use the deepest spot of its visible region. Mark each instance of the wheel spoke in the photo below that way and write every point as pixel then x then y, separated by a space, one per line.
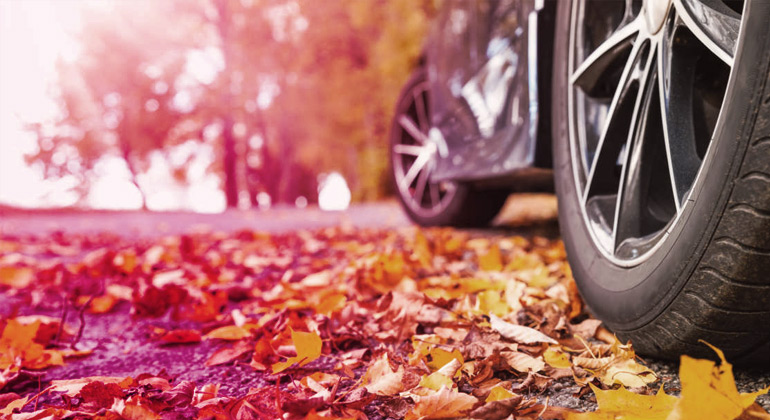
pixel 411 128
pixel 407 149
pixel 595 66
pixel 631 194
pixel 713 23
pixel 614 133
pixel 415 169
pixel 435 197
pixel 422 182
pixel 676 96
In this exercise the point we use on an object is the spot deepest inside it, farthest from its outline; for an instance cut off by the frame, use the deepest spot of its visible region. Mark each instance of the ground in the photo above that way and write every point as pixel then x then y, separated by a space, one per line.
pixel 235 302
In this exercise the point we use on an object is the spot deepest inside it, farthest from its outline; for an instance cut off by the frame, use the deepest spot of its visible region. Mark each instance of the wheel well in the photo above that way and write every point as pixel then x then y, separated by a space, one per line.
pixel 545 46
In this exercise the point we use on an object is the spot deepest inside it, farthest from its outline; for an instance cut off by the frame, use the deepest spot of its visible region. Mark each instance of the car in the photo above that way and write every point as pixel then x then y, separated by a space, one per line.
pixel 651 121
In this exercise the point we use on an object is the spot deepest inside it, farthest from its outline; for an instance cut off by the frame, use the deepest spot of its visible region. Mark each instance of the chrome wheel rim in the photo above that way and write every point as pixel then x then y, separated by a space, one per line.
pixel 414 153
pixel 647 80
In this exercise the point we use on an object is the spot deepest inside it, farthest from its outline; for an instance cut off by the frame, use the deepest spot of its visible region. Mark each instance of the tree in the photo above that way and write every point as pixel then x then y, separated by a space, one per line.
pixel 294 88
pixel 117 98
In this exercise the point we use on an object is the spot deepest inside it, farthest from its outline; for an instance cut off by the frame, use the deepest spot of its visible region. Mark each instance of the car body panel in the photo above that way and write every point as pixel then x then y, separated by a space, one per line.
pixel 482 59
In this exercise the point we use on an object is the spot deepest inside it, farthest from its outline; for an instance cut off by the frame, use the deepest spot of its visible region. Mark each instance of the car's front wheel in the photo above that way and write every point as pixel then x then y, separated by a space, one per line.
pixel 662 165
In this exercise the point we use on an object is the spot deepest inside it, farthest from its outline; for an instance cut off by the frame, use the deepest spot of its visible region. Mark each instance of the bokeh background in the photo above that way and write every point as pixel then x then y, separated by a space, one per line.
pixel 201 105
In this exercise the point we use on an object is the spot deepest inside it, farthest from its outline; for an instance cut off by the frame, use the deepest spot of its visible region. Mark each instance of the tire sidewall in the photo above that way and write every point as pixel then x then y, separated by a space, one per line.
pixel 628 298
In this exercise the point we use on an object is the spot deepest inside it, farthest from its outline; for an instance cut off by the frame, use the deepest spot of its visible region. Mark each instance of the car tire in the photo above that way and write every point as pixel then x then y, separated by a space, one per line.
pixel 705 277
pixel 432 204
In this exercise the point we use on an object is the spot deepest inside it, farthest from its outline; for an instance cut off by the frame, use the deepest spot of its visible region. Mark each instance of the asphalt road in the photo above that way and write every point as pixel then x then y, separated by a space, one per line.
pixel 527 216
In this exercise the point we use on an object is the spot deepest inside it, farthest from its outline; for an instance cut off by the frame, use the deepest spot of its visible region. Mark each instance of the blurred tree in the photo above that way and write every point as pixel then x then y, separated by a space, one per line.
pixel 116 99
pixel 282 89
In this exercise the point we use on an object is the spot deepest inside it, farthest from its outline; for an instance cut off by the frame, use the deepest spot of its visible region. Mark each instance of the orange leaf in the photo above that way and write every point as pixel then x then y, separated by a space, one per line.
pixel 16 277
pixel 308 346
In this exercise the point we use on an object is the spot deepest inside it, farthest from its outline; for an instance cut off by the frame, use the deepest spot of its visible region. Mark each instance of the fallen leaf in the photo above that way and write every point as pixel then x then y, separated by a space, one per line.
pixel 624 404
pixel 17 404
pixel 181 337
pixel 229 333
pixel 381 379
pixel 709 390
pixel 443 404
pixel 519 333
pixel 308 346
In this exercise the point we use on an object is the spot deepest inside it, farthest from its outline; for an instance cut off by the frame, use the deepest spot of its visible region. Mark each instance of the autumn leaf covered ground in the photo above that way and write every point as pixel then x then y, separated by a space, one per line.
pixel 337 322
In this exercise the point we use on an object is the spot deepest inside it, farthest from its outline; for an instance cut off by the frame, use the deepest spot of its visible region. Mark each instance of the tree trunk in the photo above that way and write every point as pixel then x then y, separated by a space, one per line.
pixel 229 162
pixel 126 152
pixel 229 156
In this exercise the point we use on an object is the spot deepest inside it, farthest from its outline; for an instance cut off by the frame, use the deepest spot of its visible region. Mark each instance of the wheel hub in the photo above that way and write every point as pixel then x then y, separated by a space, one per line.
pixel 655 12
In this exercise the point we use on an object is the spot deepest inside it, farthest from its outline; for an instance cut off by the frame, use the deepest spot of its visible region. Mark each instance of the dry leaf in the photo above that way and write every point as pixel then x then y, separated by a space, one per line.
pixel 443 404
pixel 519 333
pixel 624 404
pixel 380 378
pixel 308 346
pixel 709 391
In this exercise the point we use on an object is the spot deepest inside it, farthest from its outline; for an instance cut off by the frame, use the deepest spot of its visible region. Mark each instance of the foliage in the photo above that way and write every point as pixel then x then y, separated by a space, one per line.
pixel 341 323
pixel 282 90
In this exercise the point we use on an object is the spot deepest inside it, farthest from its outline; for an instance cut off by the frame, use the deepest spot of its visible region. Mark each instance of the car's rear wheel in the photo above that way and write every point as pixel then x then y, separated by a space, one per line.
pixel 413 155
pixel 662 164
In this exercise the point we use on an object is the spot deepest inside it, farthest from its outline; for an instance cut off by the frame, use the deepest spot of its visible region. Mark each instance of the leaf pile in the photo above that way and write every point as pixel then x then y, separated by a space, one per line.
pixel 344 323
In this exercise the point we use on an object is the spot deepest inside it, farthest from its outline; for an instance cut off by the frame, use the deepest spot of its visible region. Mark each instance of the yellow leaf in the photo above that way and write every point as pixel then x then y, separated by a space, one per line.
pixel 308 346
pixel 490 301
pixel 709 391
pixel 443 404
pixel 436 380
pixel 491 260
pixel 440 357
pixel 498 393
pixel 228 332
pixel 622 404
pixel 556 358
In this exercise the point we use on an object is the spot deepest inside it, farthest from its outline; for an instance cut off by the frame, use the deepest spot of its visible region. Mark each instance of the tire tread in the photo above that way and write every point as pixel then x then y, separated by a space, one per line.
pixel 727 310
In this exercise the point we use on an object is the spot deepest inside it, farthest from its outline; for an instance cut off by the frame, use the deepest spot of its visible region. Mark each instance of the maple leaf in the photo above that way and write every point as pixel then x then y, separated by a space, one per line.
pixel 709 390
pixel 443 404
pixel 308 346
pixel 624 404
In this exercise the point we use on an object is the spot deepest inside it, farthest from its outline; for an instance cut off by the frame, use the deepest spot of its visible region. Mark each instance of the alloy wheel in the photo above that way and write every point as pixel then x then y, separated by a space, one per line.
pixel 414 153
pixel 646 84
